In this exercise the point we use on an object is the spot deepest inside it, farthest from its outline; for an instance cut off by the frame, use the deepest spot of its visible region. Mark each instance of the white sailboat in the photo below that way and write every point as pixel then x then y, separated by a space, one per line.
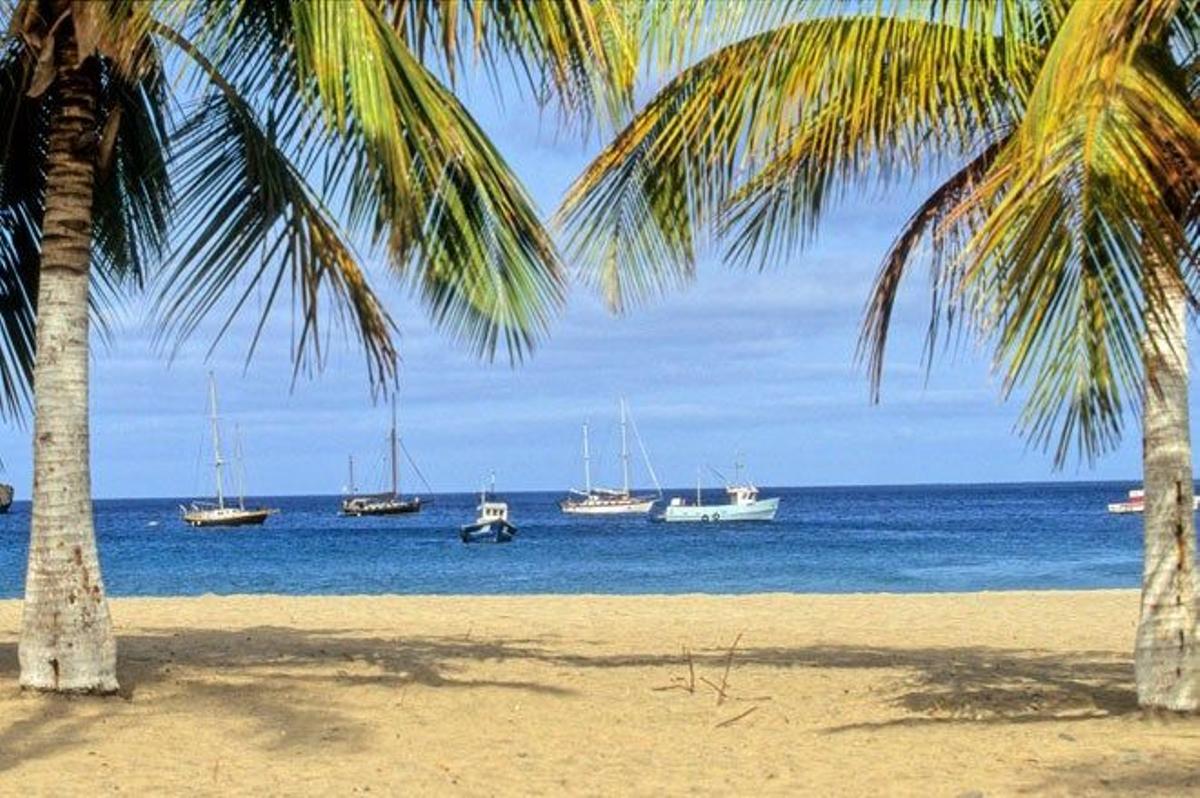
pixel 388 503
pixel 218 513
pixel 611 501
pixel 743 504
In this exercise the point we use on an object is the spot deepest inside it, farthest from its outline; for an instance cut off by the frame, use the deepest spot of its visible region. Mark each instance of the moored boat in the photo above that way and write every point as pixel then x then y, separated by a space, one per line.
pixel 1136 503
pixel 743 505
pixel 388 502
pixel 217 514
pixel 611 501
pixel 492 525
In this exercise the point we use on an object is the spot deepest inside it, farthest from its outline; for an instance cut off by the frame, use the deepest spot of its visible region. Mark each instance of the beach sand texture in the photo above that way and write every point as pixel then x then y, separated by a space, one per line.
pixel 954 695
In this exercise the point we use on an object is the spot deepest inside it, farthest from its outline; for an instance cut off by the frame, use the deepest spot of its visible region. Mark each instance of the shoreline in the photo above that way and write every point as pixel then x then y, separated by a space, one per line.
pixel 122 597
pixel 778 694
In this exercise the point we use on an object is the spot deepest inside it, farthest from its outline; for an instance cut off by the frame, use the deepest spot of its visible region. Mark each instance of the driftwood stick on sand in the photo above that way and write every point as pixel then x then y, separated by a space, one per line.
pixel 728 665
pixel 735 718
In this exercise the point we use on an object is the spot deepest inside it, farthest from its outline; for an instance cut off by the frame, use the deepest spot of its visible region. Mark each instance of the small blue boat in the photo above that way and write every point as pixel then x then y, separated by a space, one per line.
pixel 492 525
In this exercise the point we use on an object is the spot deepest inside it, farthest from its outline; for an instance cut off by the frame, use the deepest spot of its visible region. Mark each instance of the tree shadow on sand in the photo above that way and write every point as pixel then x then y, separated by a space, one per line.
pixel 264 675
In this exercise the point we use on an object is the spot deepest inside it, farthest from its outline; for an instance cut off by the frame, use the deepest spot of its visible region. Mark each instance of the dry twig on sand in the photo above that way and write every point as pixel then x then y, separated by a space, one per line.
pixel 678 680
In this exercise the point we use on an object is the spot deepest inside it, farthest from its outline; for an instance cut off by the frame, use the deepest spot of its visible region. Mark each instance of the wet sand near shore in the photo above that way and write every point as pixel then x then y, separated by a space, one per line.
pixel 949 694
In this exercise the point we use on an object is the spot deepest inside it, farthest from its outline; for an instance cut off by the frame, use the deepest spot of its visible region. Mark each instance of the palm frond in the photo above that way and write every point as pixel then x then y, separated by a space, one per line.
pixel 1097 182
pixel 241 200
pixel 420 179
pixel 24 142
pixel 817 105
pixel 929 222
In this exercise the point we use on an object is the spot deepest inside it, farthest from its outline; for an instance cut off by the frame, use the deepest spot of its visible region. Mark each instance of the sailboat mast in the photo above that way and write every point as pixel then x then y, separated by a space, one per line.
pixel 624 448
pixel 216 434
pixel 395 473
pixel 698 502
pixel 353 490
pixel 240 466
pixel 587 461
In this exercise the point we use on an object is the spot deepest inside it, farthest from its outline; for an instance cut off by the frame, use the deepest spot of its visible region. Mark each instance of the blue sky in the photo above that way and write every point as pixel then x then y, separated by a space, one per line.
pixel 756 362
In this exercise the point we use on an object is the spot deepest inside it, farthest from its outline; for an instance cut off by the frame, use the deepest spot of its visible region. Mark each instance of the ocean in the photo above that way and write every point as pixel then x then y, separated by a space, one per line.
pixel 825 540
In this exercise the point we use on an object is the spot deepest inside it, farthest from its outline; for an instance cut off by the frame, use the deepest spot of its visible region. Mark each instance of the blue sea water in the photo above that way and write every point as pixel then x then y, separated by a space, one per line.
pixel 853 539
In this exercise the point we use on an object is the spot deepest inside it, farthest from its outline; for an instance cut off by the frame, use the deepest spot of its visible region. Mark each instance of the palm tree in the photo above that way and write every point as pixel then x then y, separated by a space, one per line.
pixel 1064 233
pixel 215 147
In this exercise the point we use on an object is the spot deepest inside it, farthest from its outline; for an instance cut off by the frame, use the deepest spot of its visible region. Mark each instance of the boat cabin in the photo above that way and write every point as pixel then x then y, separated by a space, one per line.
pixel 742 494
pixel 493 511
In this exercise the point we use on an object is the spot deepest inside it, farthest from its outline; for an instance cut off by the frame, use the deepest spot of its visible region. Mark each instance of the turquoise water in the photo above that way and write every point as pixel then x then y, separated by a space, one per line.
pixel 895 539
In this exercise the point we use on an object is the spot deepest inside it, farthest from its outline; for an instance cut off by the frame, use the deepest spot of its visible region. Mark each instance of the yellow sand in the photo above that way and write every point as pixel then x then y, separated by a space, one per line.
pixel 954 695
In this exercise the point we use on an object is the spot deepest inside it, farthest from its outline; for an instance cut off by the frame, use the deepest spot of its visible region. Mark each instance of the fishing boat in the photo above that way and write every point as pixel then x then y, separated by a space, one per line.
pixel 611 501
pixel 492 525
pixel 209 514
pixel 743 505
pixel 1136 503
pixel 389 502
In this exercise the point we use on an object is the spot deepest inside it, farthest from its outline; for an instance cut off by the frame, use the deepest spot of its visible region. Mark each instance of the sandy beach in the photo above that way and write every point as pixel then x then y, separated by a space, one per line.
pixel 955 695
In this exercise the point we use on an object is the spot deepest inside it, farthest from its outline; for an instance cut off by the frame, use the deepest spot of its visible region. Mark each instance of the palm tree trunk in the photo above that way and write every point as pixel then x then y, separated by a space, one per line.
pixel 1166 653
pixel 67 641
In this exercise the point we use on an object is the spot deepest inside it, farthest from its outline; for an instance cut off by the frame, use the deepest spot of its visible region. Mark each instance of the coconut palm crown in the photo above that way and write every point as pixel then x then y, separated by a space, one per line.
pixel 211 151
pixel 1064 233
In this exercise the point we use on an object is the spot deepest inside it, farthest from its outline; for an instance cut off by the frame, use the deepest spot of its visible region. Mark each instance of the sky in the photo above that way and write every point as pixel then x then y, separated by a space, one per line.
pixel 741 361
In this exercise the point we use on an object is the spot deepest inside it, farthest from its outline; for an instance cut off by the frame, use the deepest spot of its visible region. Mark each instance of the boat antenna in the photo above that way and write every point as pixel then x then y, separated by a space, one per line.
pixel 216 434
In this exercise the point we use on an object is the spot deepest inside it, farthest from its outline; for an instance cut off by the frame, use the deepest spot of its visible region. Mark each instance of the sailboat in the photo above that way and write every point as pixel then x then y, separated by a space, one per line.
pixel 743 504
pixel 611 501
pixel 218 513
pixel 388 503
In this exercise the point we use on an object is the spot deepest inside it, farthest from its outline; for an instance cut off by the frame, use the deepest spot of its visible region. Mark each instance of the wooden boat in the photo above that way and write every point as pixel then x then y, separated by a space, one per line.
pixel 492 525
pixel 611 501
pixel 386 503
pixel 218 514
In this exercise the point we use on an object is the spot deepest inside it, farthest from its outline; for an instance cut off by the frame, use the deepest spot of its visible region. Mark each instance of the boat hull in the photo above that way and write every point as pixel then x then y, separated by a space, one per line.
pixel 1139 506
pixel 634 506
pixel 762 510
pixel 353 507
pixel 234 517
pixel 488 532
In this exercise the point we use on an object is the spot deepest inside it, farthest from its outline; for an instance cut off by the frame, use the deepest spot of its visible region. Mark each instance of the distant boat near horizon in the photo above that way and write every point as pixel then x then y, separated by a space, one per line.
pixel 210 514
pixel 743 504
pixel 611 501
pixel 1136 503
pixel 386 503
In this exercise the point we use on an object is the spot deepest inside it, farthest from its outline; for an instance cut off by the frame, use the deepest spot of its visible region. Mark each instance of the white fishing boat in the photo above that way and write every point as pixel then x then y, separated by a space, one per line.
pixel 743 505
pixel 612 501
pixel 1136 503
pixel 206 514
pixel 389 502
pixel 492 525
